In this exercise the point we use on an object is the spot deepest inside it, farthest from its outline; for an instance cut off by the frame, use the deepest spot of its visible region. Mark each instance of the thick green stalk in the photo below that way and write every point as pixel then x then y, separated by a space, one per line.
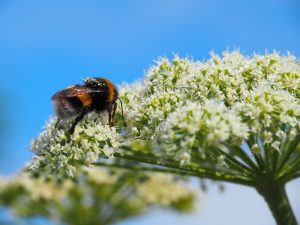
pixel 278 202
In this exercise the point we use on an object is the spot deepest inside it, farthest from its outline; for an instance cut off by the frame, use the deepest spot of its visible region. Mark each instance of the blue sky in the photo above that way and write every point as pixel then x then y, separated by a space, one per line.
pixel 48 45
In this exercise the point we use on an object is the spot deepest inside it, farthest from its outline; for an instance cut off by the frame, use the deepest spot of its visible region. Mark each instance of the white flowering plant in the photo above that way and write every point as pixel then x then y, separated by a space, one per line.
pixel 230 118
pixel 100 196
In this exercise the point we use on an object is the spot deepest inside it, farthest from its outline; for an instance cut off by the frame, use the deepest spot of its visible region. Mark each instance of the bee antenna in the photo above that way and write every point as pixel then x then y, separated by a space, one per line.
pixel 122 111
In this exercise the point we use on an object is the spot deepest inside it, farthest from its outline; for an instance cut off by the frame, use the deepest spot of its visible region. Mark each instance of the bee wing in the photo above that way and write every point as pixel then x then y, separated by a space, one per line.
pixel 70 101
pixel 73 91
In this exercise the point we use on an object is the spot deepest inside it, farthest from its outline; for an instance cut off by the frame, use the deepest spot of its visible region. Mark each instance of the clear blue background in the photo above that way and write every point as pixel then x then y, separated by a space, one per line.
pixel 48 45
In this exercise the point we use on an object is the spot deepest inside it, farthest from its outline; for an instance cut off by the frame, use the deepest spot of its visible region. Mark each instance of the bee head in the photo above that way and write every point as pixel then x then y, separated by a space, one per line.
pixel 95 82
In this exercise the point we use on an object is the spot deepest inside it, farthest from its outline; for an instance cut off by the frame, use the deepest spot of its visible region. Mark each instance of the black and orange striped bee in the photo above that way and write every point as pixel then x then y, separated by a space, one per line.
pixel 97 94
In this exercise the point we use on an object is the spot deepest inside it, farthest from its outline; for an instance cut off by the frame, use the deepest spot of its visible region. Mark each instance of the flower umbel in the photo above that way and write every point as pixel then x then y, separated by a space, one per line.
pixel 231 118
pixel 102 196
pixel 59 154
pixel 187 111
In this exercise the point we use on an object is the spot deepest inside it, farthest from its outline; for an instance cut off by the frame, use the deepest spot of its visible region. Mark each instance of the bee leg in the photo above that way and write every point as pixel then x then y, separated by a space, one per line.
pixel 111 114
pixel 124 122
pixel 79 118
pixel 57 123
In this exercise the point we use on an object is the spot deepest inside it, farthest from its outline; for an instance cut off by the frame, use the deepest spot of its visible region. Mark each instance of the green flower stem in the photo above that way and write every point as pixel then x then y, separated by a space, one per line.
pixel 290 177
pixel 275 158
pixel 243 156
pixel 192 170
pixel 258 158
pixel 143 168
pixel 291 168
pixel 235 164
pixel 277 200
pixel 268 158
pixel 291 147
pixel 290 163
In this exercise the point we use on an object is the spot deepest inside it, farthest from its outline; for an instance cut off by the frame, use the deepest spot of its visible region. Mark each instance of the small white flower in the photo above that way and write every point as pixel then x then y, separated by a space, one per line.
pixel 221 160
pixel 268 137
pixel 90 158
pixel 71 170
pixel 293 133
pixel 281 134
pixel 276 145
pixel 185 158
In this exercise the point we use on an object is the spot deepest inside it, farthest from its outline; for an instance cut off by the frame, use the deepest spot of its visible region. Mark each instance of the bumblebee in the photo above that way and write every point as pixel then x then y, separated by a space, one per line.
pixel 97 94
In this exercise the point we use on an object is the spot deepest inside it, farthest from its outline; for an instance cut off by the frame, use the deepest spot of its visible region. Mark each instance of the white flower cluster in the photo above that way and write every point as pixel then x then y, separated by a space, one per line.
pixel 167 193
pixel 125 193
pixel 186 105
pixel 194 127
pixel 57 153
pixel 37 189
pixel 184 108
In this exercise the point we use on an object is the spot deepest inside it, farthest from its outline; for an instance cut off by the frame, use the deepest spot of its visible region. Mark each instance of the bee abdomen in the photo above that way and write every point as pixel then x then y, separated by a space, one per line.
pixel 67 107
